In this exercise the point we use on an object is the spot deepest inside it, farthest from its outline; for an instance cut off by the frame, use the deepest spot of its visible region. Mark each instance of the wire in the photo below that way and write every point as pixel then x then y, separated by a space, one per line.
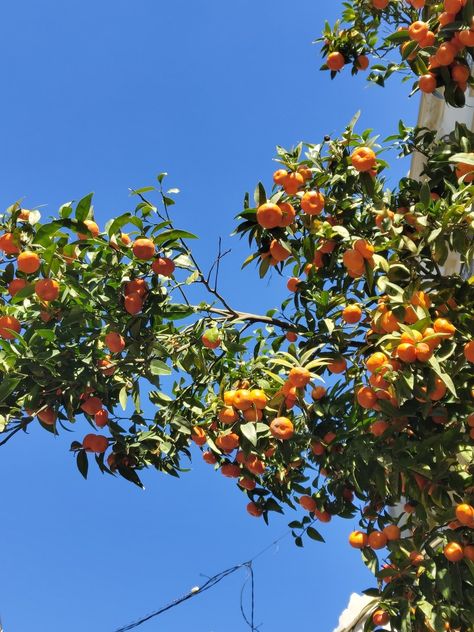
pixel 210 583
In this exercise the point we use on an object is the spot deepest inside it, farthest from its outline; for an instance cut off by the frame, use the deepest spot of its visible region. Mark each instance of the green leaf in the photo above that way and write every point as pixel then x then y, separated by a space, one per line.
pixel 314 534
pixel 83 207
pixel 157 367
pixel 250 433
pixel 82 462
pixel 173 235
pixel 123 397
pixel 7 386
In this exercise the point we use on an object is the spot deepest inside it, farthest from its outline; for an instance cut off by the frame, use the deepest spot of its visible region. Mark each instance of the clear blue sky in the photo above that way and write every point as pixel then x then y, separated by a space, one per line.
pixel 103 95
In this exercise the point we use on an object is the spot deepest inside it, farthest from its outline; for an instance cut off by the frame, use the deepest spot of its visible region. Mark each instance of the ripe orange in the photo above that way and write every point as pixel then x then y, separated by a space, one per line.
pixel 465 513
pixel 418 30
pixel 447 51
pixel 453 6
pixel 362 62
pixel 378 428
pixel 407 352
pixel 291 336
pixel 444 326
pixel 93 229
pixel 469 552
pixel 366 397
pixel 365 249
pixel 470 420
pixel 352 314
pixel 416 558
pixel 210 339
pixel 318 448
pixel 8 243
pixel 252 414
pixel 380 4
pixel 453 552
pixel 227 416
pixel 377 540
pixel 28 262
pixel 299 377
pixel 227 442
pixel 329 437
pixel 91 405
pixel 105 366
pixel 427 83
pixel 312 202
pixel 376 361
pixel 428 40
pixel 389 322
pixel 469 351
pixel 392 532
pixel 293 182
pixel 307 503
pixel 423 352
pixel 133 303
pixel 282 428
pixel 163 266
pixel 352 259
pixel 358 539
pixel 338 365
pixel 269 215
pixel 247 483
pixel 278 251
pixel 466 37
pixel 115 342
pixel 380 617
pixel 293 283
pixel 254 465
pixel 279 176
pixel 318 392
pixel 242 399
pixel 48 416
pixel 95 443
pixel 139 286
pixel 209 457
pixel 411 337
pixel 322 516
pixel 288 214
pixel 101 418
pixel 143 248
pixel 460 73
pixel 47 289
pixel 363 159
pixel 15 286
pixel 258 398
pixel 335 61
pixel 254 510
pixel 230 470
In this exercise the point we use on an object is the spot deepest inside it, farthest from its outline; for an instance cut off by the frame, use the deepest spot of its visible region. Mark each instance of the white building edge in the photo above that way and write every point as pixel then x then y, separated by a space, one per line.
pixel 434 114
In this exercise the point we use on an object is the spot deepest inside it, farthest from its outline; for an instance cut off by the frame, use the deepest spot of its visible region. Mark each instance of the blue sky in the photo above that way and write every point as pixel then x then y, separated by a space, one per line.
pixel 101 96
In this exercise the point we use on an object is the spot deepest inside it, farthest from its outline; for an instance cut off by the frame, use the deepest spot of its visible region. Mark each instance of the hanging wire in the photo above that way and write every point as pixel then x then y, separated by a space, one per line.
pixel 210 583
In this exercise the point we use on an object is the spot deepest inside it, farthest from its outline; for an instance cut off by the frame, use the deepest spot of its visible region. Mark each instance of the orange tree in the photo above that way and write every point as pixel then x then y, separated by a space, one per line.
pixel 355 399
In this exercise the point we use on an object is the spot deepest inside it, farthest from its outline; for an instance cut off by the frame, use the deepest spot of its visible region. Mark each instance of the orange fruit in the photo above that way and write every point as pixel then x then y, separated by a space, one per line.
pixel 439 390
pixel 93 229
pixel 380 617
pixel 227 416
pixel 338 365
pixel 377 540
pixel 392 532
pixel 247 483
pixel 299 377
pixel 16 286
pixel 323 516
pixel 48 416
pixel 308 503
pixel 453 6
pixel 252 414
pixel 95 443
pixel 460 73
pixel 447 51
pixel 389 322
pixel 258 398
pixel 378 428
pixel 469 552
pixel 335 61
pixel 227 442
pixel 278 251
pixel 28 262
pixel 466 37
pixel 210 339
pixel 280 176
pixel 318 448
pixel 358 539
pixel 470 420
pixel 352 314
pixel 230 470
pixel 242 399
pixel 47 289
pixel 465 513
pixel 444 326
pixel 365 249
pixel 143 248
pixel 288 214
pixel 362 62
pixel 366 397
pixel 428 40
pixel 352 259
pixel 133 303
pixel 469 351
pixel 254 510
pixel 376 361
pixel 305 172
pixel 407 352
pixel 282 428
pixel 91 405
pixel 427 83
pixel 139 286
pixel 293 182
pixel 465 171
pixel 254 465
pixel 115 342
pixel 101 418
pixel 312 202
pixel 8 244
pixel 423 352
pixel 229 398
pixel 411 337
pixel 363 159
pixel 418 30
pixel 269 215
pixel 380 4
pixel 453 552
pixel 291 336
pixel 209 457
pixel 293 283
pixel 163 266
pixel 105 366
pixel 318 392
pixel 416 558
